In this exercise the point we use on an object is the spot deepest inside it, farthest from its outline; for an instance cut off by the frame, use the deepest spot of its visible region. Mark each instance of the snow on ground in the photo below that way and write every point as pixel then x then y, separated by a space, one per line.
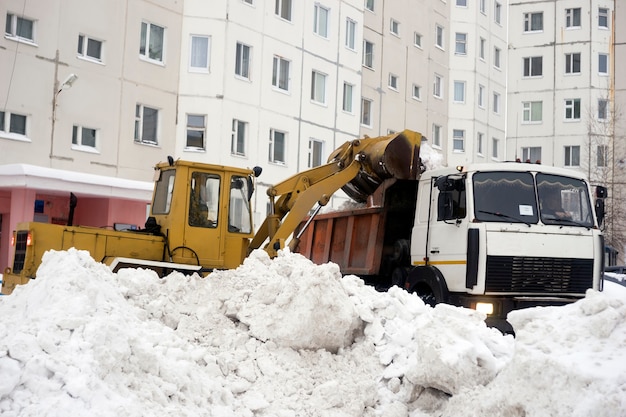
pixel 285 337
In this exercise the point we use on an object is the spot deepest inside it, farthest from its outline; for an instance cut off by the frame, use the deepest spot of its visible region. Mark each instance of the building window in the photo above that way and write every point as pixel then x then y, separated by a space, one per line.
pixel 20 28
pixel 532 111
pixel 572 18
pixel 603 109
pixel 572 156
pixel 458 140
pixel 496 103
pixel 572 63
pixel 479 143
pixel 603 18
pixel 481 96
pixel 393 82
pixel 417 92
pixel 318 87
pixel 602 156
pixel 316 148
pixel 282 8
pixel 603 64
pixel 347 97
pixel 89 48
pixel 531 154
pixel 196 131
pixel 320 20
pixel 417 39
pixel 238 138
pixel 461 3
pixel 482 6
pixel 16 123
pixel 438 86
pixel 572 109
pixel 369 5
pixel 495 144
pixel 459 91
pixel 533 22
pixel 242 60
pixel 199 53
pixel 248 1
pixel 146 124
pixel 277 147
pixel 350 34
pixel 368 54
pixel 496 57
pixel 439 36
pixel 533 66
pixel 366 112
pixel 280 73
pixel 497 12
pixel 436 135
pixel 394 27
pixel 460 43
pixel 152 42
pixel 83 136
pixel 481 48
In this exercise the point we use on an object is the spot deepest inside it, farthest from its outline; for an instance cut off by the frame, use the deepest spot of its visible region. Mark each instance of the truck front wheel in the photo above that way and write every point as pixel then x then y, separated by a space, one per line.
pixel 426 294
pixel 429 284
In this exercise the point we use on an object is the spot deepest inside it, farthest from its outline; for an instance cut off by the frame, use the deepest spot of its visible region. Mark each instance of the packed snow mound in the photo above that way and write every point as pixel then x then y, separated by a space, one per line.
pixel 284 337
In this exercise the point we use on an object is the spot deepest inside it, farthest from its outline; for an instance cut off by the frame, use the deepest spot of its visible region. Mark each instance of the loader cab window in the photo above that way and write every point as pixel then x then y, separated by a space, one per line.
pixel 239 213
pixel 204 200
pixel 507 197
pixel 564 201
pixel 163 189
pixel 451 202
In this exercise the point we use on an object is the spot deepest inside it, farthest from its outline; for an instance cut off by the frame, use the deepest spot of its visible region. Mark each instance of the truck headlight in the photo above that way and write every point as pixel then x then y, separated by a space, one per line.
pixel 485 308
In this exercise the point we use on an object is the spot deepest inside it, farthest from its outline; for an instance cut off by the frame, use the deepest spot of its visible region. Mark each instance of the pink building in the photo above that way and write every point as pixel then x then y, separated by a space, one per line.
pixel 32 193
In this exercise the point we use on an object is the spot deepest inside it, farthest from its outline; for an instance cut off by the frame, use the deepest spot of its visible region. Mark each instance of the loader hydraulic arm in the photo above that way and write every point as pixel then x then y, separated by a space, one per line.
pixel 358 167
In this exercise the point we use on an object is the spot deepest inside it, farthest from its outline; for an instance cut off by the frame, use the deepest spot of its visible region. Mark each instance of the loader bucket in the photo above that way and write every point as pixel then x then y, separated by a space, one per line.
pixel 393 156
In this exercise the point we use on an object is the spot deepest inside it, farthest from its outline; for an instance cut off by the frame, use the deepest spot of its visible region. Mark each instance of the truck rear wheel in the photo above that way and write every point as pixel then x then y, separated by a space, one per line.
pixel 426 294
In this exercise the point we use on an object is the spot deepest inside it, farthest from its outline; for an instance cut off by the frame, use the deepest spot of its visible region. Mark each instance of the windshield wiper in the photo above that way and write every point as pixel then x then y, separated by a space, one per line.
pixel 566 220
pixel 506 216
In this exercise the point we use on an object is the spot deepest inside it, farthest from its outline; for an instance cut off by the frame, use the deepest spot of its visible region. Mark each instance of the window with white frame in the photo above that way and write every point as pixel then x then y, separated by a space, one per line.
pixel 603 18
pixel 369 5
pixel 366 112
pixel 318 87
pixel 368 54
pixel 572 18
pixel 320 20
pixel 533 66
pixel 393 82
pixel 394 27
pixel 603 64
pixel 572 156
pixel 238 138
pixel 146 125
pixel 572 109
pixel 20 28
pixel 350 34
pixel 13 123
pixel 602 153
pixel 495 144
pixel 282 8
pixel 277 146
pixel 436 135
pixel 481 96
pixel 199 53
pixel 481 48
pixel 438 86
pixel 83 137
pixel 439 36
pixel 461 3
pixel 572 63
pixel 152 42
pixel 458 140
pixel 480 138
pixel 603 109
pixel 496 57
pixel 531 154
pixel 532 111
pixel 482 6
pixel 417 39
pixel 348 89
pixel 416 92
pixel 248 1
pixel 242 60
pixel 496 103
pixel 89 48
pixel 459 91
pixel 315 154
pixel 533 22
pixel 460 43
pixel 196 131
pixel 280 73
pixel 497 12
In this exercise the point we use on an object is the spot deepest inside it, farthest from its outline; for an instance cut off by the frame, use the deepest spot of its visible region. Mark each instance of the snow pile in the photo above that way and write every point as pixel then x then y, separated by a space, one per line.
pixel 285 337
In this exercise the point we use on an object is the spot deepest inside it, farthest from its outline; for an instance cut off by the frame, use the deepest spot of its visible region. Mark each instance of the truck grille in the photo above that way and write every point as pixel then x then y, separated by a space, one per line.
pixel 538 275
pixel 21 239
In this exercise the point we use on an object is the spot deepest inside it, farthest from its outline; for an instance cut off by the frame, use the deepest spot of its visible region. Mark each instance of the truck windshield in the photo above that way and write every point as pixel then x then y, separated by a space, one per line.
pixel 505 197
pixel 564 201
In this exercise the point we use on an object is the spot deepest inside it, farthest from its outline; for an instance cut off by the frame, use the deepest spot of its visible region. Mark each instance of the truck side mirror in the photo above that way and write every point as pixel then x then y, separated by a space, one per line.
pixel 601 192
pixel 444 183
pixel 600 211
